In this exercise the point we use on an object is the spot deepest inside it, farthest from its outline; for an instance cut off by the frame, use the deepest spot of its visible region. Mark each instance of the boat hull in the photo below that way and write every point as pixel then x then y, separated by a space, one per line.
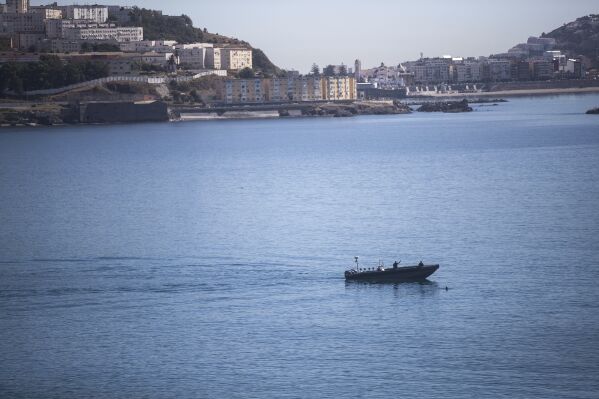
pixel 400 274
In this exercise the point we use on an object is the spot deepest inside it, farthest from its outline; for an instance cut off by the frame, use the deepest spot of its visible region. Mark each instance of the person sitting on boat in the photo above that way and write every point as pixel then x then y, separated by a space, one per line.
pixel 420 264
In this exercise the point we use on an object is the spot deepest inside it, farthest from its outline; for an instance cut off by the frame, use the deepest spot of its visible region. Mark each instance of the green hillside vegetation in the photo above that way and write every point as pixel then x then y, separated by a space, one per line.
pixel 180 28
pixel 50 72
pixel 580 37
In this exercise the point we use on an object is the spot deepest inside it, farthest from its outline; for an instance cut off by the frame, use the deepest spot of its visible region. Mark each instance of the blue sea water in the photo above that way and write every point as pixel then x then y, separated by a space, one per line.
pixel 194 260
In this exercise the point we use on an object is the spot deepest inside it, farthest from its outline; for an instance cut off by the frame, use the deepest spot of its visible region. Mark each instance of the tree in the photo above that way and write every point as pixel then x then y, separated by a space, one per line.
pixel 329 70
pixel 246 73
pixel 315 70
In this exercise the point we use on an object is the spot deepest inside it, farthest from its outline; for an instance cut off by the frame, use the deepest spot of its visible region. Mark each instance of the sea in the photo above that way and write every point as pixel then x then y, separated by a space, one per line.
pixel 206 259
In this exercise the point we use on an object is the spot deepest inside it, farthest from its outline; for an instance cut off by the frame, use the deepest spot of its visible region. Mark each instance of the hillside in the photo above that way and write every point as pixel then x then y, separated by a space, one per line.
pixel 180 28
pixel 580 37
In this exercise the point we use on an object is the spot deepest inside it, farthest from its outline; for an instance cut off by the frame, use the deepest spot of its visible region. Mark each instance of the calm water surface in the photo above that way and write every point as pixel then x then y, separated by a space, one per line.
pixel 206 259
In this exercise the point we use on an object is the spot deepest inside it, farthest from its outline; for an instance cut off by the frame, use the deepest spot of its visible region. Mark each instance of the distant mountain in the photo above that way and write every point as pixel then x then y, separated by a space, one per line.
pixel 180 28
pixel 579 38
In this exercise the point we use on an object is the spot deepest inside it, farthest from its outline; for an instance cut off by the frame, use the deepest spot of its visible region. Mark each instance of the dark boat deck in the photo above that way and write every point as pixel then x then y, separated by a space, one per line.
pixel 400 274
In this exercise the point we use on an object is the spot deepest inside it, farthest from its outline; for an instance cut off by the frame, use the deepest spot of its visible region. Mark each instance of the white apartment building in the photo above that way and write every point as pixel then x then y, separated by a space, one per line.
pixel 193 45
pixel 56 28
pixel 125 34
pixel 228 58
pixel 468 71
pixel 95 13
pixel 145 46
pixel 195 55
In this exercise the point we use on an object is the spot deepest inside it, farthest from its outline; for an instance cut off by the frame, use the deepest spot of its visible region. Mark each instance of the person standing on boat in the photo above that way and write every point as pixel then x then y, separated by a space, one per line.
pixel 395 264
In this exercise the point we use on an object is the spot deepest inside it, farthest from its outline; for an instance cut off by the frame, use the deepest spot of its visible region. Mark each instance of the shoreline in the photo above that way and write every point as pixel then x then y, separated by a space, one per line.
pixel 307 110
pixel 511 93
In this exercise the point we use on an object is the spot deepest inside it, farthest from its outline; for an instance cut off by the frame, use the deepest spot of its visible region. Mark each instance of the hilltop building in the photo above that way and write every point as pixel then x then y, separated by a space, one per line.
pixel 94 13
pixel 99 33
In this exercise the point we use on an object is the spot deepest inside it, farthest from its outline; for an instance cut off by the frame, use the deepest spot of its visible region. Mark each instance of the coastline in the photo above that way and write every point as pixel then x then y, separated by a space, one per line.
pixel 512 93
pixel 52 113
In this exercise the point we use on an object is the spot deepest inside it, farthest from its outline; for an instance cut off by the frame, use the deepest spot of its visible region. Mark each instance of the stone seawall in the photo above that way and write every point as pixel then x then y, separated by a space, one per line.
pixel 124 112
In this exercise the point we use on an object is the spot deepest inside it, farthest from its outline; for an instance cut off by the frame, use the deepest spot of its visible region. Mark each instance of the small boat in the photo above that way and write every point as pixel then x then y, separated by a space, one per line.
pixel 393 274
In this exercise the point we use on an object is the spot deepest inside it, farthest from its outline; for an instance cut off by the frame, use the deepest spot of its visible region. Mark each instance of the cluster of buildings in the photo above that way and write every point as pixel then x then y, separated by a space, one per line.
pixel 293 88
pixel 74 31
pixel 537 59
pixel 62 28
pixel 65 30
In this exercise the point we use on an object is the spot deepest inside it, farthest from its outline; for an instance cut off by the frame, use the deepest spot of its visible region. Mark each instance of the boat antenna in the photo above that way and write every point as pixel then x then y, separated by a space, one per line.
pixel 357 265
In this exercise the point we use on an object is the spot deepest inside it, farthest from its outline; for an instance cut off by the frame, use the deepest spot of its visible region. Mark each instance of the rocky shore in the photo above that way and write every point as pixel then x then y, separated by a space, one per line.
pixel 446 106
pixel 32 114
pixel 353 109
pixel 593 111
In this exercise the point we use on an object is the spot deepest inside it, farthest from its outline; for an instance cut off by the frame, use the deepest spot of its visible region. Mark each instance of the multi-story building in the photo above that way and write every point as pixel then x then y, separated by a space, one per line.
pixel 520 70
pixel 213 58
pixel 534 46
pixel 95 13
pixel 339 88
pixel 195 55
pixel 144 46
pixel 432 70
pixel 244 90
pixel 235 58
pixel 121 34
pixel 303 88
pixel 193 58
pixel 47 12
pixel 21 23
pixel 160 59
pixel 542 69
pixel 28 41
pixel 574 68
pixel 357 69
pixel 468 71
pixel 497 70
pixel 57 28
pixel 228 58
pixel 17 6
pixel 387 77
pixel 63 45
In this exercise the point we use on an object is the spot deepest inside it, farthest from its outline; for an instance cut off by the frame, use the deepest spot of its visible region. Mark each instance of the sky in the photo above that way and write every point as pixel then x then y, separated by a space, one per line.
pixel 295 34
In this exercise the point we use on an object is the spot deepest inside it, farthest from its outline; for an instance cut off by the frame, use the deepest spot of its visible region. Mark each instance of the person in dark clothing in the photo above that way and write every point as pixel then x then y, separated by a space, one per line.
pixel 395 264
pixel 420 264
